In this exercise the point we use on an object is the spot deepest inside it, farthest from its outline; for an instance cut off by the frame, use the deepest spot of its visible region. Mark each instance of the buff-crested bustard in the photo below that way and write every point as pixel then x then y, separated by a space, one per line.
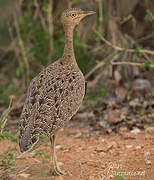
pixel 55 94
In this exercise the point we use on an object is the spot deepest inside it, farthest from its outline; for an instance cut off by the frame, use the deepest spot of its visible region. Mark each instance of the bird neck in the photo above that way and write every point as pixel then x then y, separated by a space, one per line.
pixel 68 53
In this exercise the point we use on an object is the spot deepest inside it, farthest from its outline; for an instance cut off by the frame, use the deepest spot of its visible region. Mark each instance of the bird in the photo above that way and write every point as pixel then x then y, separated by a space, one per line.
pixel 55 94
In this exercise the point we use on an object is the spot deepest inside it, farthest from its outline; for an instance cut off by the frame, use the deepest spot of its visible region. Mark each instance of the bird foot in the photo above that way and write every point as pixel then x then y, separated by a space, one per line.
pixel 56 171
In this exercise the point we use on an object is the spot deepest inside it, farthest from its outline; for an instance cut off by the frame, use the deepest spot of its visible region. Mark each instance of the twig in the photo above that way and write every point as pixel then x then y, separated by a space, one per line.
pixel 37 11
pixel 105 150
pixel 100 4
pixel 30 149
pixel 119 48
pixel 147 57
pixel 6 114
pixel 9 48
pixel 43 22
pixel 100 65
pixel 114 64
pixel 23 170
pixel 145 37
pixel 97 78
pixel 16 50
pixel 129 63
pixel 50 21
pixel 21 45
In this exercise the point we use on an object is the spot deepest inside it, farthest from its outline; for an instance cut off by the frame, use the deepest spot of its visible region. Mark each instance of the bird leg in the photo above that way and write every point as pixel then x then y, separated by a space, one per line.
pixel 55 169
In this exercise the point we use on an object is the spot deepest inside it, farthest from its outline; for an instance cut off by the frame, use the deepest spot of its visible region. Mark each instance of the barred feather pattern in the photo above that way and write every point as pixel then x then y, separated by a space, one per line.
pixel 53 97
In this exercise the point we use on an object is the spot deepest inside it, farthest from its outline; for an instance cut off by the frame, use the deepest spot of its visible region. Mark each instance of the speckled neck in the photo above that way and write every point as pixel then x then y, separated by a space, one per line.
pixel 68 53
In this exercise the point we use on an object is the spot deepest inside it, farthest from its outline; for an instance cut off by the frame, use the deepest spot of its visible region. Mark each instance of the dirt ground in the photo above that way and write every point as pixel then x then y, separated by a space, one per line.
pixel 96 157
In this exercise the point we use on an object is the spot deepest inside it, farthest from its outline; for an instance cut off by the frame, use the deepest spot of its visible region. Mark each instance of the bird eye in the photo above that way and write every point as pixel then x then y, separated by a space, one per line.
pixel 73 15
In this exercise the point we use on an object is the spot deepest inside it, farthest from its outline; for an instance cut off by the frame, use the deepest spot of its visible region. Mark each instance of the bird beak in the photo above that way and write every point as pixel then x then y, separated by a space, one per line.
pixel 87 13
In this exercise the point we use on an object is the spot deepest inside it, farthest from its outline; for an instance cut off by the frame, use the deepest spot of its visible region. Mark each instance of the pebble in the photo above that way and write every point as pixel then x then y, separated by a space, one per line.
pixel 138 147
pixel 102 139
pixel 112 144
pixel 58 147
pixel 23 175
pixel 150 130
pixel 78 135
pixel 91 163
pixel 128 136
pixel 148 136
pixel 123 129
pixel 60 163
pixel 129 146
pixel 147 153
pixel 135 131
pixel 102 153
pixel 59 178
pixel 148 162
pixel 75 132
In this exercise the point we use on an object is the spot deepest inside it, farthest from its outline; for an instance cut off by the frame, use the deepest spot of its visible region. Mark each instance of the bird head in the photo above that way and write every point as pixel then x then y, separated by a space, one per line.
pixel 72 16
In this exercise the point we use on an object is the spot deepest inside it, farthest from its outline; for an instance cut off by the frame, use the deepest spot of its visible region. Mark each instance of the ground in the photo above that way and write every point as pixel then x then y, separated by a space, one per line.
pixel 84 157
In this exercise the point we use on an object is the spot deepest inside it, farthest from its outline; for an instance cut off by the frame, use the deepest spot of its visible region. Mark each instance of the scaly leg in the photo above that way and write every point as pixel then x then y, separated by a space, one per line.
pixel 55 170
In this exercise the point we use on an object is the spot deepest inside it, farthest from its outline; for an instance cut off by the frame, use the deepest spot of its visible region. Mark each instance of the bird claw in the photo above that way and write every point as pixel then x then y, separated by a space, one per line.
pixel 56 171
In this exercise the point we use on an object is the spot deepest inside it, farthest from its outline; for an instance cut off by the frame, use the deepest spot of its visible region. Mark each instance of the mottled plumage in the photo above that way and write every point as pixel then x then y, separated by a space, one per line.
pixel 55 94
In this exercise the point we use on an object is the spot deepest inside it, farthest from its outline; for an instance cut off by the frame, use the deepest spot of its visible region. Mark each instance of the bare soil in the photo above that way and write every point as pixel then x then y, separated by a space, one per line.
pixel 120 157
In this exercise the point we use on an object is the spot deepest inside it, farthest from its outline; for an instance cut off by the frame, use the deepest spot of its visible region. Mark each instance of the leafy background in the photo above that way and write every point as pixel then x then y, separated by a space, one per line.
pixel 114 50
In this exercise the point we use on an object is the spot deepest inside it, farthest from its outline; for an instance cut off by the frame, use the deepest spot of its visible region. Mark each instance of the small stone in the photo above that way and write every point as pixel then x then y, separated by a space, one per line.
pixel 148 162
pixel 128 136
pixel 123 129
pixel 113 144
pixel 103 167
pixel 58 147
pixel 147 153
pixel 59 178
pixel 150 130
pixel 134 103
pixel 78 135
pixel 102 140
pixel 129 146
pixel 102 153
pixel 114 116
pixel 135 131
pixel 91 163
pixel 148 137
pixel 138 147
pixel 83 162
pixel 74 132
pixel 23 175
pixel 60 163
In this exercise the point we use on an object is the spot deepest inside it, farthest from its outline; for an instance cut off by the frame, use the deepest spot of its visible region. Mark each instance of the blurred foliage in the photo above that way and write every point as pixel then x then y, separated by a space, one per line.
pixel 8 158
pixel 6 91
pixel 6 135
pixel 4 3
pixel 94 94
pixel 37 43
pixel 32 50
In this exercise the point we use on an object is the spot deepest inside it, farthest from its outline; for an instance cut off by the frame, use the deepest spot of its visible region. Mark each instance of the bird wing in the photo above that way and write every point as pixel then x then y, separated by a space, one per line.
pixel 53 98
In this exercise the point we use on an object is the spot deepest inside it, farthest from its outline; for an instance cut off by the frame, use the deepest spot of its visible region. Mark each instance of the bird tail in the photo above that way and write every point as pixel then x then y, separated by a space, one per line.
pixel 25 140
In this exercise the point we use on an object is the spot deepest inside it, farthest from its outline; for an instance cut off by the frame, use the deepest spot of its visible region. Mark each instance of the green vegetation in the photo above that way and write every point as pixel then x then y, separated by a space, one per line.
pixel 93 95
pixel 36 40
pixel 149 16
pixel 152 92
pixel 6 91
pixel 7 159
pixel 6 135
pixel 43 138
pixel 43 155
pixel 120 176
